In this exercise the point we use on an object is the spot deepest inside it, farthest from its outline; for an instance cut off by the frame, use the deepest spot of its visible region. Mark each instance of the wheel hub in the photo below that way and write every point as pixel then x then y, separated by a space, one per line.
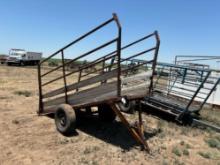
pixel 124 101
pixel 62 119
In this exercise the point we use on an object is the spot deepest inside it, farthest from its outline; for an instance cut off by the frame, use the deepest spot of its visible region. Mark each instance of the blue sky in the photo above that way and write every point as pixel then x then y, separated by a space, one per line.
pixel 185 26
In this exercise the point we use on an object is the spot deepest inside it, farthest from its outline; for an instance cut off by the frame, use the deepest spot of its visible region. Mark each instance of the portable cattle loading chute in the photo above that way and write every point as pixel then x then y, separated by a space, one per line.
pixel 182 91
pixel 106 87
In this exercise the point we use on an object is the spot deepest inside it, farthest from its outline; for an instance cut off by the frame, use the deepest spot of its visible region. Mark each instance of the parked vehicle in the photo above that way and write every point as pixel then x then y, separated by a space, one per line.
pixel 3 58
pixel 22 57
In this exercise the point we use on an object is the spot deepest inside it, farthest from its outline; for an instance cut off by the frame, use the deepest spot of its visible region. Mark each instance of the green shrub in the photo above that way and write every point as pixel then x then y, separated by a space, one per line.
pixel 176 151
pixel 213 143
pixel 177 162
pixel 87 150
pixel 186 152
pixel 163 147
pixel 217 138
pixel 165 162
pixel 206 155
pixel 24 93
pixel 53 63
pixel 188 146
pixel 182 143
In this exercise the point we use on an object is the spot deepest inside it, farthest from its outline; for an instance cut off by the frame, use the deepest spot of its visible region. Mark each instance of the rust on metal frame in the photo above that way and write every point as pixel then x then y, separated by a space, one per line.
pixel 136 130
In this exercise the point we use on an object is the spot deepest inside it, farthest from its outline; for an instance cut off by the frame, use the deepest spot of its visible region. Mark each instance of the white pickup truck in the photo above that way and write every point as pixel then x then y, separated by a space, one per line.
pixel 22 57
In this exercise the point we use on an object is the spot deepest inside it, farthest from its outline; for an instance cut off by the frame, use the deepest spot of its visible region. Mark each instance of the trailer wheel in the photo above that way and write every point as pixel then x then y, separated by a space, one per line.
pixel 65 119
pixel 106 113
pixel 126 105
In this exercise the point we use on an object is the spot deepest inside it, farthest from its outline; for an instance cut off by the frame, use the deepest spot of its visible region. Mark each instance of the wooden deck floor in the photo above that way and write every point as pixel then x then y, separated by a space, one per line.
pixel 132 87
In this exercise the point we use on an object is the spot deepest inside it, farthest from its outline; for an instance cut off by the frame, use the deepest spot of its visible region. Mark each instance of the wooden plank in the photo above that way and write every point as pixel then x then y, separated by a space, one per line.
pixel 99 94
pixel 96 95
pixel 83 95
pixel 82 83
pixel 139 91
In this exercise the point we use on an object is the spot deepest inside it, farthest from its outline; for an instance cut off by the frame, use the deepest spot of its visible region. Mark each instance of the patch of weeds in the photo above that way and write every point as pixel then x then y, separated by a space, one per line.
pixel 165 162
pixel 94 162
pixel 173 126
pixel 188 146
pixel 211 115
pixel 3 81
pixel 163 147
pixel 96 148
pixel 23 93
pixel 177 162
pixel 217 137
pixel 87 150
pixel 162 135
pixel 161 129
pixel 216 155
pixel 213 143
pixel 185 130
pixel 73 141
pixel 209 130
pixel 185 152
pixel 160 125
pixel 84 161
pixel 64 141
pixel 53 62
pixel 196 132
pixel 182 143
pixel 176 151
pixel 206 155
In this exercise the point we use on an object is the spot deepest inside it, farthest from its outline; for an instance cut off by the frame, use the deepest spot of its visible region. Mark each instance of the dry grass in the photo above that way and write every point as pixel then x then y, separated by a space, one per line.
pixel 211 115
pixel 29 139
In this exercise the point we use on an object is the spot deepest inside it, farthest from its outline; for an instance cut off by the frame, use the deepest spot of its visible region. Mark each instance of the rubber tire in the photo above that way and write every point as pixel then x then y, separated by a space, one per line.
pixel 106 113
pixel 65 119
pixel 128 107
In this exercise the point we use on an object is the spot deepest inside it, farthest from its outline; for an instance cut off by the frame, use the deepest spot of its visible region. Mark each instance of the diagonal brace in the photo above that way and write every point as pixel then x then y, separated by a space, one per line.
pixel 136 130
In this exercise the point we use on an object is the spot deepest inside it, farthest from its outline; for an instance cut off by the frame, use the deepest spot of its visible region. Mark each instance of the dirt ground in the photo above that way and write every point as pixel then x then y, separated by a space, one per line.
pixel 26 138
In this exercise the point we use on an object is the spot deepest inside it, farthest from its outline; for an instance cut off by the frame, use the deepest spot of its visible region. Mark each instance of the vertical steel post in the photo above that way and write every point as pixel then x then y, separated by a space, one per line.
pixel 79 78
pixel 184 75
pixel 118 55
pixel 64 77
pixel 154 62
pixel 103 70
pixel 140 116
pixel 40 90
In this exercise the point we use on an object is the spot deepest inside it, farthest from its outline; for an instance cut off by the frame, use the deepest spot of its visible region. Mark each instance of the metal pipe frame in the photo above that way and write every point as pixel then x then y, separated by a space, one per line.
pixel 169 71
pixel 204 57
pixel 136 130
pixel 118 40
